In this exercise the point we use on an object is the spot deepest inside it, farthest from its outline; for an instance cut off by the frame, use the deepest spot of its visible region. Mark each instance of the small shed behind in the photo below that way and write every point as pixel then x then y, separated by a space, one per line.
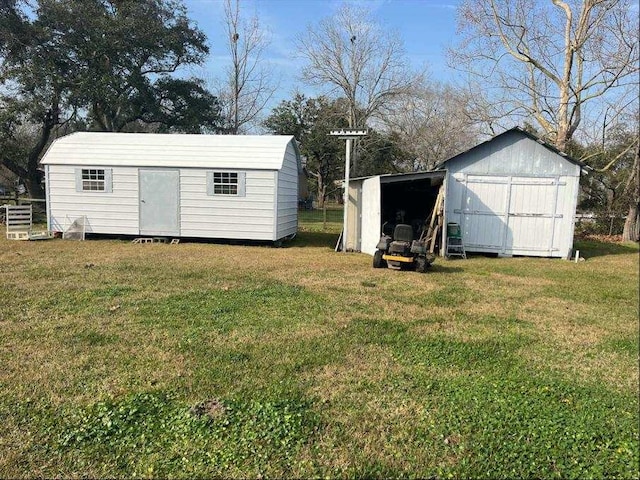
pixel 511 195
pixel 179 185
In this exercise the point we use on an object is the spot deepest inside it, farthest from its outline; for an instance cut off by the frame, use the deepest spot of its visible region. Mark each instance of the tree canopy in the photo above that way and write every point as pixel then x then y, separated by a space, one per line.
pixel 310 120
pixel 110 63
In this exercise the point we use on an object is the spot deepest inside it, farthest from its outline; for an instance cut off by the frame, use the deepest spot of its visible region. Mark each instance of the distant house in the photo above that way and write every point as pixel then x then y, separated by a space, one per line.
pixel 511 195
pixel 206 186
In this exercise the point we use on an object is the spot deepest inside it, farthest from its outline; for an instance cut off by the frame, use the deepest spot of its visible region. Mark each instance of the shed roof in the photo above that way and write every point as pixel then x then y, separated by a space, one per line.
pixel 404 177
pixel 250 152
pixel 524 133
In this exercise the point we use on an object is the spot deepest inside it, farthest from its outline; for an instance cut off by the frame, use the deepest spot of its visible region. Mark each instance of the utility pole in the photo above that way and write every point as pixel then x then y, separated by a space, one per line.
pixel 348 135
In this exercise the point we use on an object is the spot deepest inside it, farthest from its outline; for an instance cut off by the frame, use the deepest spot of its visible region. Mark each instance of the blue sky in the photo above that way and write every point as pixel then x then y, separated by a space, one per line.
pixel 426 26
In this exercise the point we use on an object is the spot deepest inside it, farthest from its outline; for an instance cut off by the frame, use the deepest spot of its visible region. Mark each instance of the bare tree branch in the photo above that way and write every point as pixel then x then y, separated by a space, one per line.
pixel 249 85
pixel 572 54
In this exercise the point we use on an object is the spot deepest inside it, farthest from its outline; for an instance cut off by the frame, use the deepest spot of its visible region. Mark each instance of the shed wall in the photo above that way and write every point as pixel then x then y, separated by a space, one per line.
pixel 202 215
pixel 513 196
pixel 287 193
pixel 115 212
pixel 513 154
pixel 221 216
pixel 370 215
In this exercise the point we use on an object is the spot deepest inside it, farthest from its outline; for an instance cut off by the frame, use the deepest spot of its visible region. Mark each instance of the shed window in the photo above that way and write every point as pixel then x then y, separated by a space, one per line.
pixel 93 180
pixel 225 183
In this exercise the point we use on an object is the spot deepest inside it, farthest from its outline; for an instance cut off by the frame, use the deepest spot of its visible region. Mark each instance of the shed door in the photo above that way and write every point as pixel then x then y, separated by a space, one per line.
pixel 511 215
pixel 159 202
pixel 484 212
pixel 533 217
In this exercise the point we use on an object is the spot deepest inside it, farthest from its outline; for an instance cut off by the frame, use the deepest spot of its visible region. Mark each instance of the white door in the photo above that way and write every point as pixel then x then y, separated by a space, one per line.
pixel 484 212
pixel 159 202
pixel 370 215
pixel 534 217
pixel 511 215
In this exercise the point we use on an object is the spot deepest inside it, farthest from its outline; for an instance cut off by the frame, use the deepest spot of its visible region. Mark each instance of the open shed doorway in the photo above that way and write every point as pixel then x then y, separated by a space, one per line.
pixel 409 199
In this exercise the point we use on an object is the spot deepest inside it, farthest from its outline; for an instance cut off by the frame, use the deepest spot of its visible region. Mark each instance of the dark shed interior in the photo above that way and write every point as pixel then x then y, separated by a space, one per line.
pixel 409 199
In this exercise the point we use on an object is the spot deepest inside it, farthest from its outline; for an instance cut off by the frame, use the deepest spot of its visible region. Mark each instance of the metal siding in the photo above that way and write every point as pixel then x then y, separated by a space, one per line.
pixel 47 198
pixel 287 208
pixel 354 221
pixel 520 199
pixel 513 154
pixel 112 213
pixel 355 207
pixel 515 215
pixel 244 218
pixel 240 152
pixel 483 209
pixel 370 222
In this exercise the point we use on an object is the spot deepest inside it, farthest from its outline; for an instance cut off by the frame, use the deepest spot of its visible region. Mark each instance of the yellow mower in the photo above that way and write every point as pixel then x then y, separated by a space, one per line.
pixel 401 251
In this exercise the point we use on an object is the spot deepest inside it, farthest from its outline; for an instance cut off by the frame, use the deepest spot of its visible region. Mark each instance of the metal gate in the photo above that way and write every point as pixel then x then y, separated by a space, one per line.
pixel 159 202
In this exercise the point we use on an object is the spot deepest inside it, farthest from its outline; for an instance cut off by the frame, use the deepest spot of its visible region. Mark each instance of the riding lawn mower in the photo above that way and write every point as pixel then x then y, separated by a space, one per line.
pixel 401 251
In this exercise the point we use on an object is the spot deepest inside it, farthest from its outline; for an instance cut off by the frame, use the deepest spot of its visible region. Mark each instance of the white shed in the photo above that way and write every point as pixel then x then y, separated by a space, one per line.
pixel 202 186
pixel 511 195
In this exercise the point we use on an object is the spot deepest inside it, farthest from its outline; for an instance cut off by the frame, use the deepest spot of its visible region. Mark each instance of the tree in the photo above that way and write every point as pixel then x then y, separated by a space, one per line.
pixel 612 190
pixel 34 82
pixel 356 59
pixel 249 85
pixel 381 153
pixel 109 62
pixel 310 120
pixel 432 124
pixel 551 62
pixel 631 230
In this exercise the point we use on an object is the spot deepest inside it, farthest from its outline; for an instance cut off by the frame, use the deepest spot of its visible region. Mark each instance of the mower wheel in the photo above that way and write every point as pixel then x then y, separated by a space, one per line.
pixel 421 265
pixel 378 261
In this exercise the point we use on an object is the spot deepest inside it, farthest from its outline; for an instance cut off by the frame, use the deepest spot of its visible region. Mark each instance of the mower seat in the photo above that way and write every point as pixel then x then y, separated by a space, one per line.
pixel 403 233
pixel 402 238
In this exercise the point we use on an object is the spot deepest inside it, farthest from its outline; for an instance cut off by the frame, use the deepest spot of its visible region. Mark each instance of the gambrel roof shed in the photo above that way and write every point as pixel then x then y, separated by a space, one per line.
pixel 179 185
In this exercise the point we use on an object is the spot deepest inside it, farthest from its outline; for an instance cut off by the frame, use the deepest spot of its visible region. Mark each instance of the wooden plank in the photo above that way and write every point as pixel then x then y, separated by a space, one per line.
pixel 434 213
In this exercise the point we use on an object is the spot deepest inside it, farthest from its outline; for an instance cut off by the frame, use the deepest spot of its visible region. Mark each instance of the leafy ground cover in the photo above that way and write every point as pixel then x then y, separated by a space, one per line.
pixel 212 360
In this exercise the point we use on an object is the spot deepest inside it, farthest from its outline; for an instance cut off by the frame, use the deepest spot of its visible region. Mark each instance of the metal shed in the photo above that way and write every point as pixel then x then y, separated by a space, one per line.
pixel 511 195
pixel 374 201
pixel 178 185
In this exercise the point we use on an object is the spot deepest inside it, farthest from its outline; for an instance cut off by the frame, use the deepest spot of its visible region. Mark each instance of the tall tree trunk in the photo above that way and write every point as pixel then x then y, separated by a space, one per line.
pixel 34 175
pixel 322 192
pixel 631 231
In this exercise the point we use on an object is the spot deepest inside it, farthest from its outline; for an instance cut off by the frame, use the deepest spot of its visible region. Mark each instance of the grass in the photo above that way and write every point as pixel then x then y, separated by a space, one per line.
pixel 122 360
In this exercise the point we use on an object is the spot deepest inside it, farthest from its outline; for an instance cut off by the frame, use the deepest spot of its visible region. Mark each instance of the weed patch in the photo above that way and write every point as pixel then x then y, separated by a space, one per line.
pixel 155 434
pixel 540 427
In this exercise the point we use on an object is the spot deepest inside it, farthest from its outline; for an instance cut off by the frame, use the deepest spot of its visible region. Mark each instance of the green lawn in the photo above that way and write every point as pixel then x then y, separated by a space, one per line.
pixel 208 360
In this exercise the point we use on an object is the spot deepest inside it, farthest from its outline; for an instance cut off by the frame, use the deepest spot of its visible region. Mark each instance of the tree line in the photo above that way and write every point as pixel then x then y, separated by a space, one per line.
pixel 568 71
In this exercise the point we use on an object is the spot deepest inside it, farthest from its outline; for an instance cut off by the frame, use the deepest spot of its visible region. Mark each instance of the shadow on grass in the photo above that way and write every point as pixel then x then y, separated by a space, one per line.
pixel 314 239
pixel 593 248
pixel 443 266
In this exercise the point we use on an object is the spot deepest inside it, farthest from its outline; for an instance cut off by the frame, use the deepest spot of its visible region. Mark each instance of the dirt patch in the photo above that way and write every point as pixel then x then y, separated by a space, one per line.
pixel 212 408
